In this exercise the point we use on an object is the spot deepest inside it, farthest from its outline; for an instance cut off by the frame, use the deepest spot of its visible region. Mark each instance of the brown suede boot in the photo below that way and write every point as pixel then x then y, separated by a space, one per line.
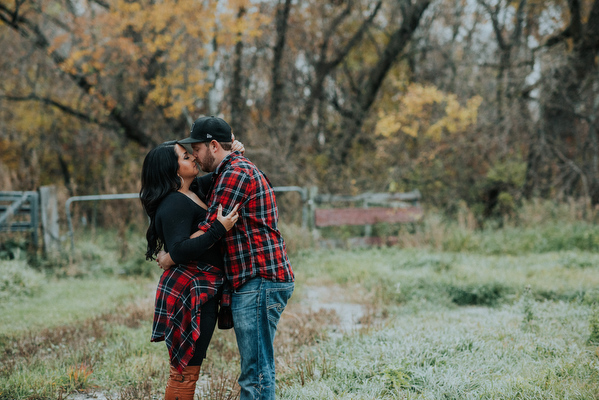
pixel 182 386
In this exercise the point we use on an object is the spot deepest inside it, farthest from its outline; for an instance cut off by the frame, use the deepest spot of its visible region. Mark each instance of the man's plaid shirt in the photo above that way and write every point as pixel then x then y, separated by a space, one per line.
pixel 254 247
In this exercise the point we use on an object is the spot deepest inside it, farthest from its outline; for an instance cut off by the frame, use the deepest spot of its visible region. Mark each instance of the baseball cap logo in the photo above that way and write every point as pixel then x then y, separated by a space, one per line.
pixel 209 136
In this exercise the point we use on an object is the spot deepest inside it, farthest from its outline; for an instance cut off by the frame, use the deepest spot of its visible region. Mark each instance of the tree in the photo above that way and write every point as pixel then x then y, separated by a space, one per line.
pixel 567 133
pixel 137 69
pixel 478 100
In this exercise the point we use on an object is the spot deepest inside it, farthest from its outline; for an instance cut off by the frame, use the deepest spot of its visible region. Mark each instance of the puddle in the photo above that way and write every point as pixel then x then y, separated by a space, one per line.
pixel 89 396
pixel 334 298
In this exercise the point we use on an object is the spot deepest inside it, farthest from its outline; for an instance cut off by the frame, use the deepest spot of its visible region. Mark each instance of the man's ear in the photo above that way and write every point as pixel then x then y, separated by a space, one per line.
pixel 214 145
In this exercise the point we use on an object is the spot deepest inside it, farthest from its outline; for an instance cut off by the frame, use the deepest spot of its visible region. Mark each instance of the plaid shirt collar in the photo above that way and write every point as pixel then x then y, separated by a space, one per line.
pixel 225 163
pixel 222 166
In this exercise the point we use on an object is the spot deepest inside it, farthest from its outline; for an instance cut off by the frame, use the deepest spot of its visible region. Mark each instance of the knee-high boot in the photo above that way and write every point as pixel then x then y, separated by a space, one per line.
pixel 182 386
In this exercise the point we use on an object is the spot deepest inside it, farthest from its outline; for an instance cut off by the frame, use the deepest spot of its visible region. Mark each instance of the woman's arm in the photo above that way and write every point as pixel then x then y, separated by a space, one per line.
pixel 175 220
pixel 182 248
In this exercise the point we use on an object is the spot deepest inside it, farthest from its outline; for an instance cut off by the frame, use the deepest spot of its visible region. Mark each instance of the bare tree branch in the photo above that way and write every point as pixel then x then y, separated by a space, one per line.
pixel 398 41
pixel 31 31
pixel 340 56
pixel 324 68
pixel 62 107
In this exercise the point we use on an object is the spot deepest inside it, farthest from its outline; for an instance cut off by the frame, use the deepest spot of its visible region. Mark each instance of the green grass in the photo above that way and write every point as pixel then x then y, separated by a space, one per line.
pixel 74 334
pixel 480 322
pixel 400 276
pixel 68 301
pixel 458 326
pixel 550 237
pixel 471 353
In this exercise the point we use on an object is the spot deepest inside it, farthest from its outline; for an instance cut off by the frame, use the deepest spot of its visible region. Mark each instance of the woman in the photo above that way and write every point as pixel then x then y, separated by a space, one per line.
pixel 185 292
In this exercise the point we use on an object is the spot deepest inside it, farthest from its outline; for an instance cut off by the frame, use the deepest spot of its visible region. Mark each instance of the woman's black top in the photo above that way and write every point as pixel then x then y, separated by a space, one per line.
pixel 177 218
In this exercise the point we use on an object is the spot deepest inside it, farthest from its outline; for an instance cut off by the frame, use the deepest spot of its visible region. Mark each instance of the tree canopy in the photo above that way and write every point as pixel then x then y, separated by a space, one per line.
pixel 483 101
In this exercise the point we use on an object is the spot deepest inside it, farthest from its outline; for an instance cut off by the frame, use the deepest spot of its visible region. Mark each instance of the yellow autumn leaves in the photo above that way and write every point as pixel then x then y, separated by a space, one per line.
pixel 129 38
pixel 425 111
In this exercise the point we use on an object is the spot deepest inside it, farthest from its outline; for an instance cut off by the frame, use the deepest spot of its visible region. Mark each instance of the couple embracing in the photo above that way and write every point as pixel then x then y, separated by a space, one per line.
pixel 214 234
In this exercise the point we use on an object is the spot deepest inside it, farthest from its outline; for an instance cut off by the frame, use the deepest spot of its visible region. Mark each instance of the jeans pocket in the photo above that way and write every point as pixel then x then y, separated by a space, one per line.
pixel 244 306
pixel 276 301
pixel 244 300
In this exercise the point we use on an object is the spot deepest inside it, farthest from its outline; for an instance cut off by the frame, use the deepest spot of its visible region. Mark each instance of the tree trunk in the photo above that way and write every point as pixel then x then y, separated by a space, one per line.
pixel 566 95
pixel 324 67
pixel 276 96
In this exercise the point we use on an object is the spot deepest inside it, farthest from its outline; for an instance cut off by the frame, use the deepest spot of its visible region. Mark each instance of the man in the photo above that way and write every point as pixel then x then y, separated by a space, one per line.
pixel 256 262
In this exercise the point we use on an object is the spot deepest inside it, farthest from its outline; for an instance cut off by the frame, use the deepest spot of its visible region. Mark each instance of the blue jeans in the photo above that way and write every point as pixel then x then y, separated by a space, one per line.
pixel 257 307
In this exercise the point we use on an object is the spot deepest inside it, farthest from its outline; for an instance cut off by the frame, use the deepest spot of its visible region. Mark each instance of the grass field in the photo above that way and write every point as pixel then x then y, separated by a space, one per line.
pixel 457 326
pixel 457 318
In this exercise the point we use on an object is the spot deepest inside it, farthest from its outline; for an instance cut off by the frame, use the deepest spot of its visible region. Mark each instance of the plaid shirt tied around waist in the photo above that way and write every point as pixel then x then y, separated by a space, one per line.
pixel 254 247
pixel 180 294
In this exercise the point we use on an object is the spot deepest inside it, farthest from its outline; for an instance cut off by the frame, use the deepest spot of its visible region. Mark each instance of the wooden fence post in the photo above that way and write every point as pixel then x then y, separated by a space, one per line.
pixel 49 214
pixel 368 227
pixel 312 193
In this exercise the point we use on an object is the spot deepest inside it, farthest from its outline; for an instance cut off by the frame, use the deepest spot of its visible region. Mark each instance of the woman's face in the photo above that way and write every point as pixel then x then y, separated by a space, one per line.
pixel 187 163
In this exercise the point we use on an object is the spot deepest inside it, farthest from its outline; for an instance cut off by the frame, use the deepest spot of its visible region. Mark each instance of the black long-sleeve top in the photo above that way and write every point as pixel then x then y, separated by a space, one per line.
pixel 177 218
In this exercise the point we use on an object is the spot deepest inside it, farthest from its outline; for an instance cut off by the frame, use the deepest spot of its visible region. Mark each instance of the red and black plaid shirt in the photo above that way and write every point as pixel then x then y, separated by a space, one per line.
pixel 180 294
pixel 254 247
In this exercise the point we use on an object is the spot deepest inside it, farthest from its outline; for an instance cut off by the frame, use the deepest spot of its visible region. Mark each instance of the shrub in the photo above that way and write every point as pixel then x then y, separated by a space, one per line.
pixel 296 238
pixel 594 326
pixel 527 303
pixel 13 248
pixel 477 294
pixel 139 266
pixel 17 278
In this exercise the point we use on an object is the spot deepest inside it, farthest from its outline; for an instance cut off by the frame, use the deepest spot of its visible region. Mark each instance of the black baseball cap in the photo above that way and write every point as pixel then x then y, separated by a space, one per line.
pixel 206 129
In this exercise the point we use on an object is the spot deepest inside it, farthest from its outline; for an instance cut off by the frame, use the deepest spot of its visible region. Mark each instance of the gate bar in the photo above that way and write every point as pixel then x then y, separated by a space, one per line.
pixel 92 198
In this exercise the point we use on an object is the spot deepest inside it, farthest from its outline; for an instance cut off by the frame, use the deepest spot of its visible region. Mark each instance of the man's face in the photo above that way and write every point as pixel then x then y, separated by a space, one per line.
pixel 204 157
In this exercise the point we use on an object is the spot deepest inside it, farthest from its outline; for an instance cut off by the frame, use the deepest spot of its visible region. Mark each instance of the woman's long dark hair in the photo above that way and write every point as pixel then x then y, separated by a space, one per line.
pixel 158 179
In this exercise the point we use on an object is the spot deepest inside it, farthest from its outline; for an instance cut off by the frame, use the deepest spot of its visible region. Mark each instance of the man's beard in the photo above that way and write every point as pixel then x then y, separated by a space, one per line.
pixel 207 163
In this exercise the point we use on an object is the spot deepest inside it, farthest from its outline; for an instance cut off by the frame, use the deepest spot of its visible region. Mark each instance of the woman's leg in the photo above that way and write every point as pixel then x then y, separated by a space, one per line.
pixel 182 386
pixel 208 317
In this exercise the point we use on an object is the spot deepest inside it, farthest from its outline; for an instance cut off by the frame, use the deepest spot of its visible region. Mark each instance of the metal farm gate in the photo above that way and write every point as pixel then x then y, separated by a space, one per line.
pixel 19 212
